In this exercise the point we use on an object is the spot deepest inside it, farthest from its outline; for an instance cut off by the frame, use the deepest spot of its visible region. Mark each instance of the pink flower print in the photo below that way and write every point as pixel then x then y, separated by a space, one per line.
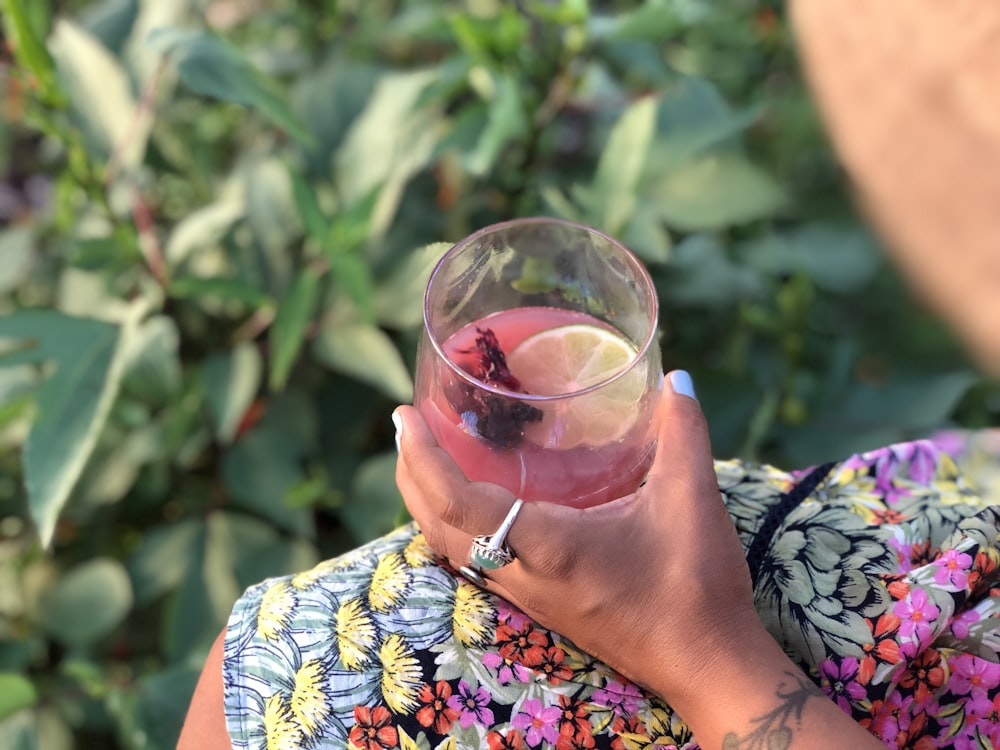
pixel 624 699
pixel 953 570
pixel 917 613
pixel 892 718
pixel 474 706
pixel 506 673
pixel 952 442
pixel 981 727
pixel 923 456
pixel 841 682
pixel 973 676
pixel 539 722
pixel 904 555
pixel 509 614
pixel 960 624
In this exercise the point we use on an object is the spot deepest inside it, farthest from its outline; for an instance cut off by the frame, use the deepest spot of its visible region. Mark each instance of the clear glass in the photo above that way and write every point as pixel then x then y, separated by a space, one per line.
pixel 539 434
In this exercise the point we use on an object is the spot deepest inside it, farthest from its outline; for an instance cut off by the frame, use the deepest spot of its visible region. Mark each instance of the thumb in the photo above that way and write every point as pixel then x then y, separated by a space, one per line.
pixel 684 450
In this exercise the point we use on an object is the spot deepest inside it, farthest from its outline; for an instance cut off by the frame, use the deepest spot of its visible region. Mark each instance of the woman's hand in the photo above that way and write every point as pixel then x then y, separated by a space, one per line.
pixel 653 583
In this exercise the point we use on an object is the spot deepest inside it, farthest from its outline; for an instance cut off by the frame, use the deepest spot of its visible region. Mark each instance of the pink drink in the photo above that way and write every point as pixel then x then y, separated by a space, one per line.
pixel 515 457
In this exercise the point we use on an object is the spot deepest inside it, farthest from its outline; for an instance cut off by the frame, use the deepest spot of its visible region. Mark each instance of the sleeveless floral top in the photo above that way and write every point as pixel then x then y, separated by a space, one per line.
pixel 879 575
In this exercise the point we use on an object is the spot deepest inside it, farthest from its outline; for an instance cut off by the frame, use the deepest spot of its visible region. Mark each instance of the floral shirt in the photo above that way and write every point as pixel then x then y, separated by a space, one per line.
pixel 878 575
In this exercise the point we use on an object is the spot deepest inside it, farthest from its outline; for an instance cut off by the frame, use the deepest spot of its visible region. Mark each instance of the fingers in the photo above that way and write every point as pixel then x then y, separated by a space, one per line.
pixel 450 509
pixel 684 451
pixel 436 487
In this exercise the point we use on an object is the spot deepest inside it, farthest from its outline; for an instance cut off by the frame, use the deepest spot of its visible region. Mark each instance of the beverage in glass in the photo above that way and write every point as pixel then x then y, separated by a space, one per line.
pixel 539 368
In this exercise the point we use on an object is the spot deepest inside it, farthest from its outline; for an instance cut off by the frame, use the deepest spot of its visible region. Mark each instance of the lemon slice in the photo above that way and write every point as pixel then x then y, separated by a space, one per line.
pixel 571 358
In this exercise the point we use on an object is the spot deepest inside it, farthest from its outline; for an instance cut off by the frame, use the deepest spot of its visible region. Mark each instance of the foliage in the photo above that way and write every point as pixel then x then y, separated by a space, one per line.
pixel 218 221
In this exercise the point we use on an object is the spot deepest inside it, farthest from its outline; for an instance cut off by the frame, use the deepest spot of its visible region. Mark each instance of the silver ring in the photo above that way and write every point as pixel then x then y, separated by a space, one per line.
pixel 485 556
pixel 490 551
pixel 473 576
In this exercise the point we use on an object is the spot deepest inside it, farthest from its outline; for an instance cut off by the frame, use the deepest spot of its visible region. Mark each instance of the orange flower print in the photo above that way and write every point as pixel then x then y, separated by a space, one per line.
pixel 513 740
pixel 526 646
pixel 373 729
pixel 435 712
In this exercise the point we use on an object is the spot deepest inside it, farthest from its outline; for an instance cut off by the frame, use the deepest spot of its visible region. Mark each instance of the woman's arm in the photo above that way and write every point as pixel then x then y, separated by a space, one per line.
pixel 654 584
pixel 205 725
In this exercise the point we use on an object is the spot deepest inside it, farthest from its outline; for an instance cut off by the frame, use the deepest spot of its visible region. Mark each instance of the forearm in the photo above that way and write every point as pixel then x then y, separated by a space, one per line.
pixel 755 697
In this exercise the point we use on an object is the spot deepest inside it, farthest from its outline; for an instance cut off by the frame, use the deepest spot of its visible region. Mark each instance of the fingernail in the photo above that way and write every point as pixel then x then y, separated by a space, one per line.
pixel 397 422
pixel 681 383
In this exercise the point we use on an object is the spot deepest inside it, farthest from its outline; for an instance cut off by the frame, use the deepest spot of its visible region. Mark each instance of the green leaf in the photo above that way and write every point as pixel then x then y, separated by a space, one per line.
pixel 716 191
pixel 399 300
pixel 362 351
pixel 208 588
pixel 29 49
pixel 212 67
pixel 162 559
pixel 506 121
pixel 389 143
pixel 100 96
pixel 375 501
pixel 152 362
pixel 840 259
pixel 163 700
pixel 17 249
pixel 646 236
pixel 87 603
pixel 316 224
pixel 203 228
pixel 613 191
pixel 16 692
pixel 355 277
pixel 653 21
pixel 73 403
pixel 288 331
pixel 232 380
pixel 330 98
pixel 867 417
pixel 702 276
pixel 20 731
pixel 274 223
pixel 264 466
pixel 221 289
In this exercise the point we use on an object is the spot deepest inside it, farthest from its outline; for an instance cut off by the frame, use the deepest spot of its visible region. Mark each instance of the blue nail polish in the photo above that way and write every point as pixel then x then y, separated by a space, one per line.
pixel 681 383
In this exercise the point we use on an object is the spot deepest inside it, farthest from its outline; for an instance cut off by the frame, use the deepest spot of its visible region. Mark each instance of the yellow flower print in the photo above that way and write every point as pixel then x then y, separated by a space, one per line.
pixel 356 635
pixel 418 553
pixel 308 578
pixel 401 677
pixel 309 703
pixel 276 609
pixel 280 730
pixel 390 581
pixel 474 615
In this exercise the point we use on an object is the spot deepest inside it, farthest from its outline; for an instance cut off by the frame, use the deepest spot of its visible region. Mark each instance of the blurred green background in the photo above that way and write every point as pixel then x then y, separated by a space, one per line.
pixel 216 221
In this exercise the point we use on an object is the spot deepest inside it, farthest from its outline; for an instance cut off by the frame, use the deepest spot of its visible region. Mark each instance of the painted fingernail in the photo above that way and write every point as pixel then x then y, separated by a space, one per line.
pixel 681 383
pixel 397 422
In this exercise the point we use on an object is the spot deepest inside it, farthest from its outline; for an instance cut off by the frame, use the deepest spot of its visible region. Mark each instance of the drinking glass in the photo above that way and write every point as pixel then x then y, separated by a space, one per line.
pixel 539 367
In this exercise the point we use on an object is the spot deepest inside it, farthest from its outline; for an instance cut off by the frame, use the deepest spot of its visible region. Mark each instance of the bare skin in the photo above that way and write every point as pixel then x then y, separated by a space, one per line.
pixel 205 724
pixel 685 629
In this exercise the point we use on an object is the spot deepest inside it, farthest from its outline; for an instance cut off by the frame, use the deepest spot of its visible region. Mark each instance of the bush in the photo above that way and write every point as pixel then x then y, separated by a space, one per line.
pixel 218 221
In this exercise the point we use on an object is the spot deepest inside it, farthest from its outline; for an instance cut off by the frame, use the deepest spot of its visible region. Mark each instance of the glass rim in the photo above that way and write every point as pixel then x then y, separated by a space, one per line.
pixel 638 266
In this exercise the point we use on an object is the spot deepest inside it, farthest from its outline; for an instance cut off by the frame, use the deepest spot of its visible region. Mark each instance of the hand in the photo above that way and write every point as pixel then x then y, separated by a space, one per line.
pixel 650 583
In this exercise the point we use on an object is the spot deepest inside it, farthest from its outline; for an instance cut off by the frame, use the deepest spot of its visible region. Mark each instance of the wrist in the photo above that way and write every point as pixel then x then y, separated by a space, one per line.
pixel 749 693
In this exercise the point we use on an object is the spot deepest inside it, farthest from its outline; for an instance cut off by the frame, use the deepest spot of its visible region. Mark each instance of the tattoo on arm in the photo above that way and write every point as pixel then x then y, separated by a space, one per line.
pixel 773 730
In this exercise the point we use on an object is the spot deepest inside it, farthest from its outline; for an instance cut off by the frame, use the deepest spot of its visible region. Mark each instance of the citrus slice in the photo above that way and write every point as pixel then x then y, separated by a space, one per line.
pixel 568 359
